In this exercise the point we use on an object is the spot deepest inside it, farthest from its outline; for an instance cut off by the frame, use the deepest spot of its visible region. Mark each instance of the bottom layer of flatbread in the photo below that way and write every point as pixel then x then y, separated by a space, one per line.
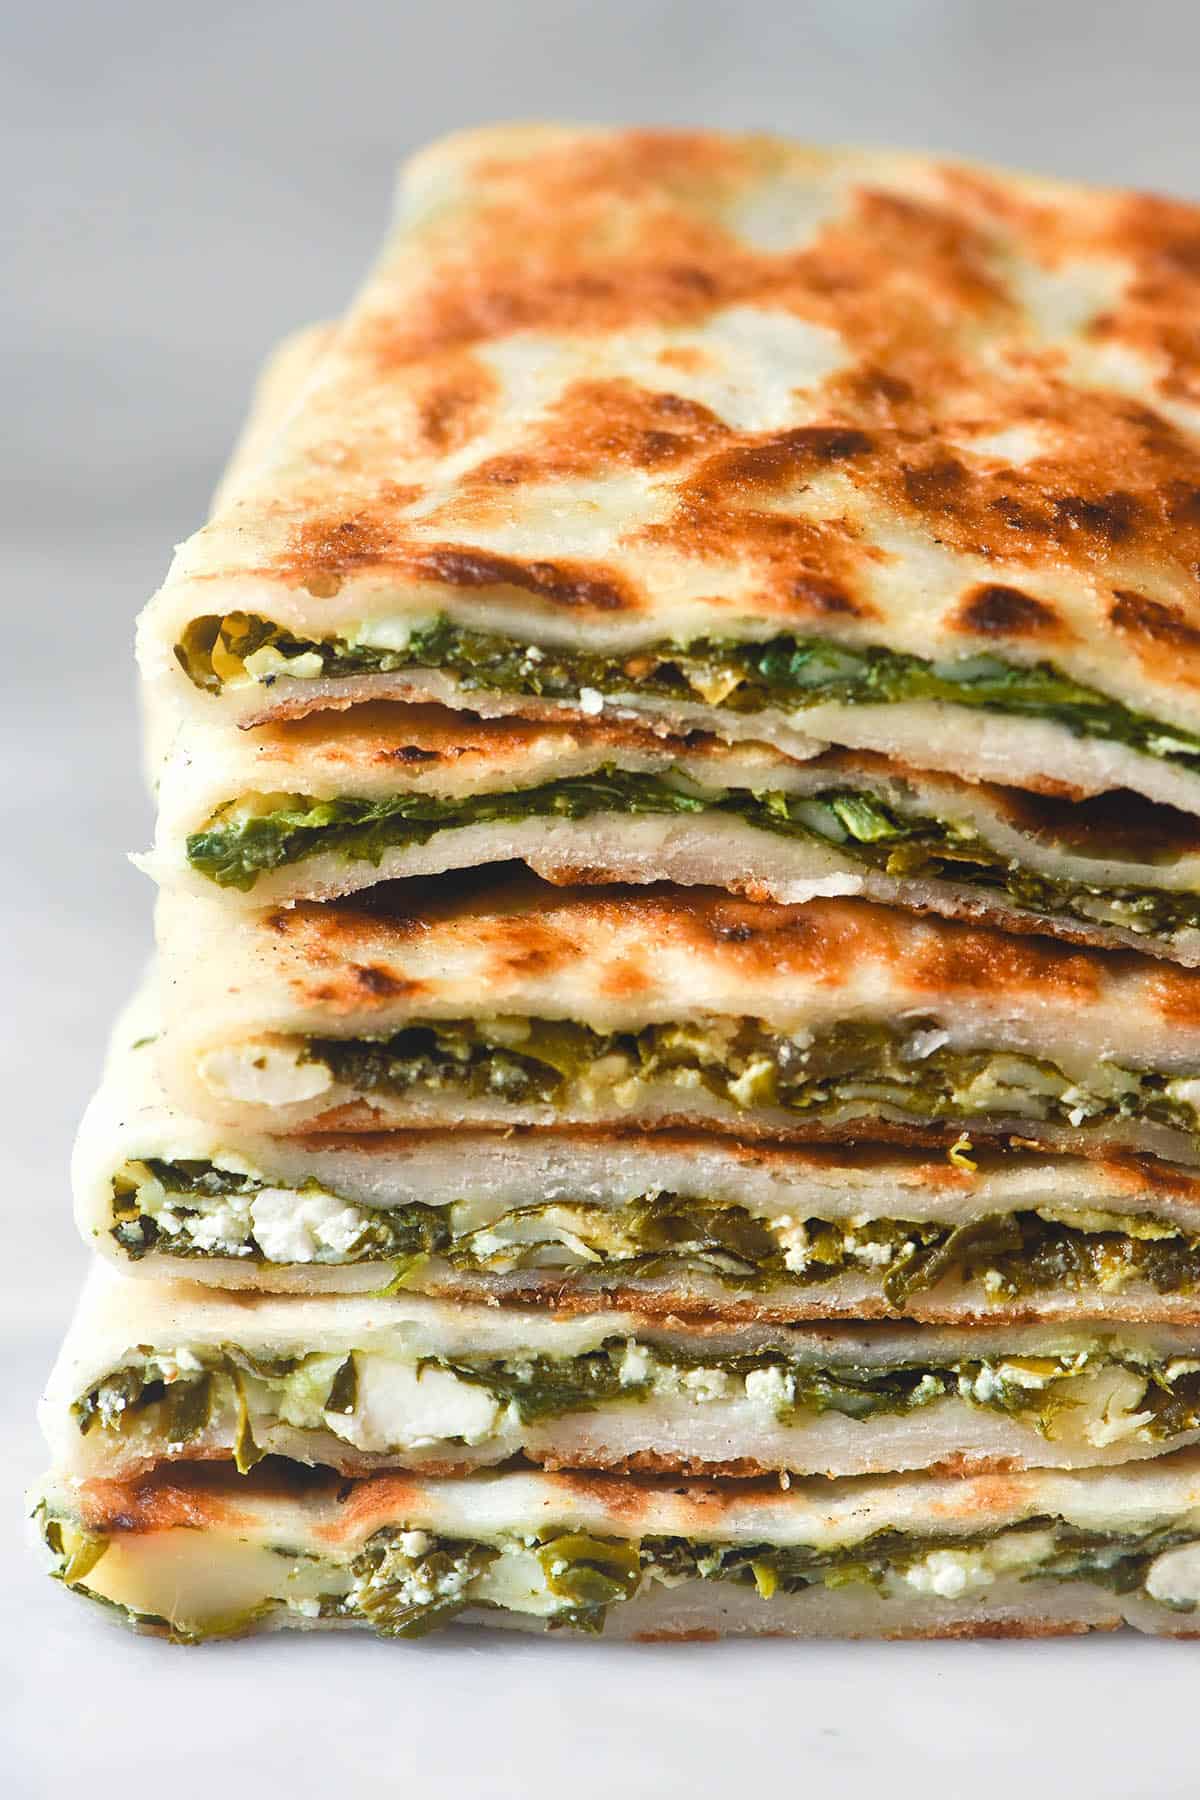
pixel 207 1554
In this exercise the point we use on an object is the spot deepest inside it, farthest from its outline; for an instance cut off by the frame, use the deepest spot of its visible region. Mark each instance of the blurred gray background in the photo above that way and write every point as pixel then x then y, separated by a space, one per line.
pixel 184 184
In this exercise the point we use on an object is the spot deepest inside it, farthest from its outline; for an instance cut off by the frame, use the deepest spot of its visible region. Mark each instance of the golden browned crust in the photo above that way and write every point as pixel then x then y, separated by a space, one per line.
pixel 527 928
pixel 157 1502
pixel 917 271
pixel 905 282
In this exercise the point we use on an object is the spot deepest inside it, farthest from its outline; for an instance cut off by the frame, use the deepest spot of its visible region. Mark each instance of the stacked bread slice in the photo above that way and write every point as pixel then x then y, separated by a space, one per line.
pixel 669 1102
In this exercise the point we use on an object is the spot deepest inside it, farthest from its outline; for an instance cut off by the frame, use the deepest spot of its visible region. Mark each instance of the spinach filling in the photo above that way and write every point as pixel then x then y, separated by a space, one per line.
pixel 851 1069
pixel 193 1208
pixel 407 1583
pixel 1039 1391
pixel 1105 1387
pixel 181 1209
pixel 246 839
pixel 1118 1562
pixel 788 672
pixel 403 1594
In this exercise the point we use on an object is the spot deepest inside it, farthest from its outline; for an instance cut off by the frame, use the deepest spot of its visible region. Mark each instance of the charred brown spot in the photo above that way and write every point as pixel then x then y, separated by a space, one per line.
pixel 783 458
pixel 627 976
pixel 1159 310
pixel 936 486
pixel 622 1499
pixel 369 1503
pixel 733 934
pixel 1110 517
pixel 563 584
pixel 595 428
pixel 828 600
pixel 454 408
pixel 1175 994
pixel 378 982
pixel 828 444
pixel 412 753
pixel 995 611
pixel 1182 503
pixel 157 1502
pixel 639 232
pixel 940 242
pixel 322 553
pixel 1143 617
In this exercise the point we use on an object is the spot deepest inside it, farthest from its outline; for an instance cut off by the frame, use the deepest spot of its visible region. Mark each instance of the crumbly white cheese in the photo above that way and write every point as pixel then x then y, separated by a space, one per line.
pixel 771 1386
pixel 591 701
pixel 221 1229
pixel 875 1255
pixel 949 1573
pixel 293 1227
pixel 747 1089
pixel 1103 1432
pixel 269 661
pixel 927 1389
pixel 1186 1090
pixel 264 1075
pixel 400 1407
pixel 706 1384
pixel 172 1364
pixel 1174 1577
pixel 383 634
pixel 637 1365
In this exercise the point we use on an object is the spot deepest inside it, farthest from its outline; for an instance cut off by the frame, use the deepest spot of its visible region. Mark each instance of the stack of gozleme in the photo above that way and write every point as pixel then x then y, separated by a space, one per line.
pixel 671 1096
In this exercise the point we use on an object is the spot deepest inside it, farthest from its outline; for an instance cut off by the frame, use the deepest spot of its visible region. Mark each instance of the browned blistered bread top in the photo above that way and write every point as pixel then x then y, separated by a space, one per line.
pixel 616 386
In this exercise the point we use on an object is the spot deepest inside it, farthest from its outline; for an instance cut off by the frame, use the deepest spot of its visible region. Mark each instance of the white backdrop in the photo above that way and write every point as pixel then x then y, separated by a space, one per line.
pixel 185 183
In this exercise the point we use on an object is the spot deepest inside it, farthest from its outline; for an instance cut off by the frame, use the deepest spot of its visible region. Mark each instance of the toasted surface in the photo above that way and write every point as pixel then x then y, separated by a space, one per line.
pixel 213 1554
pixel 381 748
pixel 617 959
pixel 255 992
pixel 240 813
pixel 131 1127
pixel 809 1512
pixel 279 387
pixel 744 387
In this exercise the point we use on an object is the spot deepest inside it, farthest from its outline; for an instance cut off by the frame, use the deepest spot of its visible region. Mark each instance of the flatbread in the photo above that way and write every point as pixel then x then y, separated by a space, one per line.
pixel 610 391
pixel 279 386
pixel 278 389
pixel 671 1224
pixel 208 1553
pixel 661 1007
pixel 170 1372
pixel 325 806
